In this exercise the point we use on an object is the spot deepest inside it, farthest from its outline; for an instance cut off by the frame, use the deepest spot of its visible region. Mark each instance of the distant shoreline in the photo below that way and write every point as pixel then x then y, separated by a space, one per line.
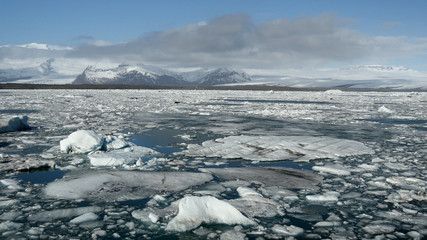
pixel 242 88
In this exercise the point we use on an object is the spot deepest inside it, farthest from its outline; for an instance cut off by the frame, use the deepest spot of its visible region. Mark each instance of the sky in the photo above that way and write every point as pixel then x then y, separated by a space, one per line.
pixel 265 35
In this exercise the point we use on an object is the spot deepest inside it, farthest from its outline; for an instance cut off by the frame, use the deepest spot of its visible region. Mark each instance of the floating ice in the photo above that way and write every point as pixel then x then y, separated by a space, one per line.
pixel 113 142
pixel 194 211
pixel 383 109
pixel 48 216
pixel 11 184
pixel 287 231
pixel 90 216
pixel 376 229
pixel 254 204
pixel 125 156
pixel 275 148
pixel 123 185
pixel 270 176
pixel 8 225
pixel 82 141
pixel 326 197
pixel 332 169
pixel 14 124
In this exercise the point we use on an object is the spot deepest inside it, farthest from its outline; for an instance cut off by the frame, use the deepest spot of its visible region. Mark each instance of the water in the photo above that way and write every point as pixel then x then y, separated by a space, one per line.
pixel 41 177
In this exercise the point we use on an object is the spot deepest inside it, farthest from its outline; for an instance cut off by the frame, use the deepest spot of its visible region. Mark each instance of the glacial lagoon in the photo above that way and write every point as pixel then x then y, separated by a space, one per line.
pixel 199 164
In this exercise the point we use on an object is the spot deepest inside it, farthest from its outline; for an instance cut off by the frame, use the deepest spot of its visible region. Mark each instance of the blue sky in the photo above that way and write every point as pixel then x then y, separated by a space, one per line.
pixel 393 31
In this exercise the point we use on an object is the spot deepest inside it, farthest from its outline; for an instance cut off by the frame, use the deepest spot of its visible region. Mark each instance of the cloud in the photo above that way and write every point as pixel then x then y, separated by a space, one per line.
pixel 237 41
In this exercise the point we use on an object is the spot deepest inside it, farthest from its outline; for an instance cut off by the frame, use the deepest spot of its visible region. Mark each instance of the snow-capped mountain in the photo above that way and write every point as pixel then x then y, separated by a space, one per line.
pixel 223 76
pixel 154 76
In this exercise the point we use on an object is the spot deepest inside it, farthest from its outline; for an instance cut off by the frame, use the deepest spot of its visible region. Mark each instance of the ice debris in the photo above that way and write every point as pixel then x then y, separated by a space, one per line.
pixel 287 231
pixel 384 109
pixel 194 211
pixel 275 148
pixel 270 176
pixel 123 185
pixel 14 124
pixel 90 216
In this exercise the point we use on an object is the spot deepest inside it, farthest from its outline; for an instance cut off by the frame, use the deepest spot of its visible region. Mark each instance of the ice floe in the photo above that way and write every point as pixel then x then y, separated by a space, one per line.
pixel 270 176
pixel 14 124
pixel 126 156
pixel 123 185
pixel 194 211
pixel 48 216
pixel 275 148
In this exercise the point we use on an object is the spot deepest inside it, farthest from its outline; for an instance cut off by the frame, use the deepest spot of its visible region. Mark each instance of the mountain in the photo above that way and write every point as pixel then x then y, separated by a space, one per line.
pixel 223 76
pixel 154 76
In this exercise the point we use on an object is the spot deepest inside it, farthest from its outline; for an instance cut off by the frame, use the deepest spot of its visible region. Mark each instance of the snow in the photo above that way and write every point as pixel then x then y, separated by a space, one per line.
pixel 123 185
pixel 82 141
pixel 14 124
pixel 194 211
pixel 274 148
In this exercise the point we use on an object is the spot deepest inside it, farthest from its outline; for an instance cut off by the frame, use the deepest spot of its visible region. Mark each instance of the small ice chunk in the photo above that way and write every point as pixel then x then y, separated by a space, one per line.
pixel 87 217
pixel 14 124
pixel 82 141
pixel 11 184
pixel 8 226
pixel 376 229
pixel 35 231
pixel 232 235
pixel 383 109
pixel 194 211
pixel 326 197
pixel 153 217
pixel 332 169
pixel 287 231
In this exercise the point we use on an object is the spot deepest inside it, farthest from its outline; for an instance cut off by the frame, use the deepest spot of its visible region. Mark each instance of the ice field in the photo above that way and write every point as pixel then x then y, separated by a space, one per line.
pixel 199 164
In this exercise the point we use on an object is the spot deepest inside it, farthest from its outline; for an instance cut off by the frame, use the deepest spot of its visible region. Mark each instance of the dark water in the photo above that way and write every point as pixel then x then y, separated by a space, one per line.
pixel 17 111
pixel 41 177
pixel 396 121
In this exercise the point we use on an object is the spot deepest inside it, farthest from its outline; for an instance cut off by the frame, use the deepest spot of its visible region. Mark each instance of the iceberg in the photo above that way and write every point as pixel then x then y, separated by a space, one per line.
pixel 122 185
pixel 125 156
pixel 270 176
pixel 82 141
pixel 193 211
pixel 14 124
pixel 276 148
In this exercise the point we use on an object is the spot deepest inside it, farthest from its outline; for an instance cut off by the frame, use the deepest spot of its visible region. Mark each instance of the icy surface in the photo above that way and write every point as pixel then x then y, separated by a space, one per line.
pixel 274 148
pixel 194 211
pixel 379 195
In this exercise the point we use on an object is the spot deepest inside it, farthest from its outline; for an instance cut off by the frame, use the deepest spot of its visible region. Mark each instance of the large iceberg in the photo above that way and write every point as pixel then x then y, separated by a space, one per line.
pixel 123 185
pixel 194 211
pixel 275 148
pixel 14 124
